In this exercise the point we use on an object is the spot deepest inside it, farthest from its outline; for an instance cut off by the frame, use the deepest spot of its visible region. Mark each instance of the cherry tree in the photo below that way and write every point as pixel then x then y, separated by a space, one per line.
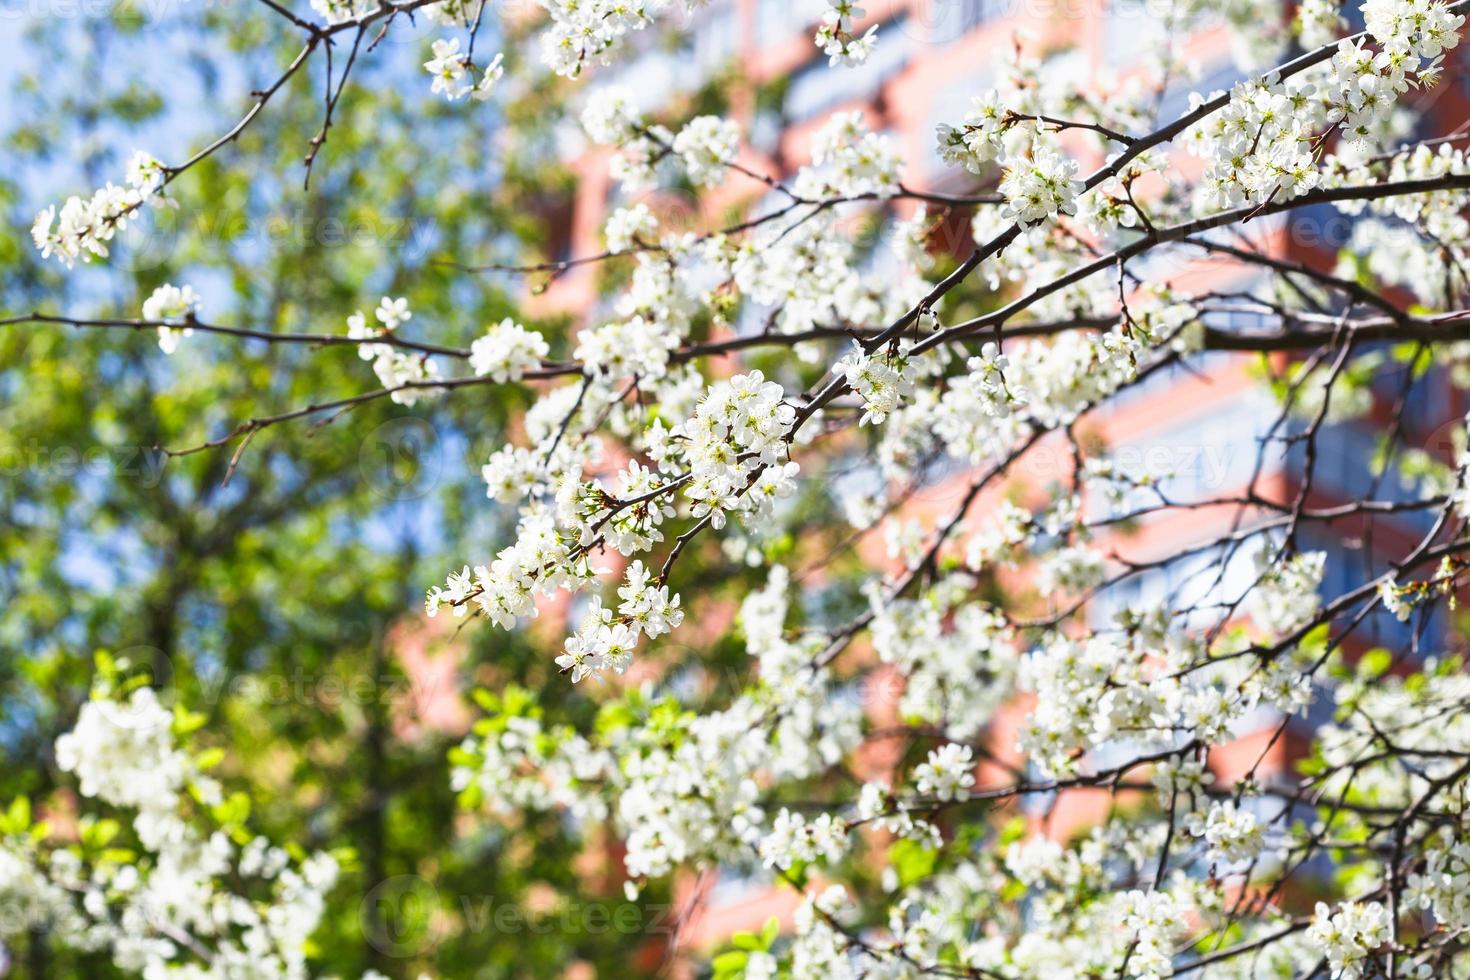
pixel 710 408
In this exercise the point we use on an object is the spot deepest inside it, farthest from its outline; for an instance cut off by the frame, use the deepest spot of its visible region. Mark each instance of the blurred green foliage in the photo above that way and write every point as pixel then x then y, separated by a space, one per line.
pixel 269 602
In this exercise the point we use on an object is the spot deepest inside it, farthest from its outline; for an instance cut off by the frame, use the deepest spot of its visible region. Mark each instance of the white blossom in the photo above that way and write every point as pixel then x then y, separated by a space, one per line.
pixel 1349 935
pixel 947 773
pixel 1041 188
pixel 507 351
pixel 836 38
pixel 707 145
pixel 175 306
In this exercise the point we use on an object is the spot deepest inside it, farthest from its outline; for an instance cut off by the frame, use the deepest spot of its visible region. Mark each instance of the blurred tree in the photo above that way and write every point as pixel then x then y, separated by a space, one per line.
pixel 263 588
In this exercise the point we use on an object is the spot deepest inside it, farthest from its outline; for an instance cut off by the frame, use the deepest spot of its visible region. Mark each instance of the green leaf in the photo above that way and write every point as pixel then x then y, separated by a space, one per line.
pixel 730 964
pixel 186 721
pixel 210 758
pixel 18 817
pixel 1375 663
pixel 1315 642
pixel 471 797
pixel 1013 831
pixel 233 810
pixel 103 832
pixel 912 860
pixel 769 932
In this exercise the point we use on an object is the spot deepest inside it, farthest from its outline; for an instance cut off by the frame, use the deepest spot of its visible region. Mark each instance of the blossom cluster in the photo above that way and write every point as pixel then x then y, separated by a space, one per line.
pixel 1264 145
pixel 1020 645
pixel 191 896
pixel 409 375
pixel 507 351
pixel 837 39
pixel 705 146
pixel 1348 934
pixel 175 306
pixel 588 33
pixel 84 226
pixel 454 75
pixel 858 161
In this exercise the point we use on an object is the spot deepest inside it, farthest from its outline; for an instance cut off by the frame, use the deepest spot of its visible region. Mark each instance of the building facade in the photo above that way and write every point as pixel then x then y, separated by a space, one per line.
pixel 1198 432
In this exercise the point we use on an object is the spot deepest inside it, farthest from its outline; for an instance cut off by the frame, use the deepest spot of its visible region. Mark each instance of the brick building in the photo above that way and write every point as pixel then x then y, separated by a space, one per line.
pixel 1197 430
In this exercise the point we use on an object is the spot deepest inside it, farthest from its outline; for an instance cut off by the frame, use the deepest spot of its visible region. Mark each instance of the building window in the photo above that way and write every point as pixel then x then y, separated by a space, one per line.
pixel 953 19
pixel 778 20
pixel 973 13
pixel 714 40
